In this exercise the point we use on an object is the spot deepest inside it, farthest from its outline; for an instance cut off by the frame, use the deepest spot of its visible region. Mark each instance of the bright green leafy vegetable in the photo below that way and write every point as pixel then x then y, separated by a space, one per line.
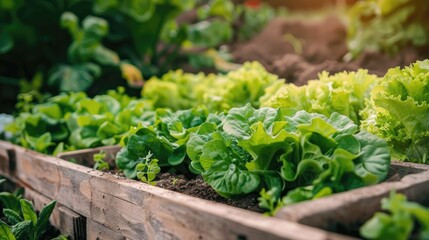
pixel 178 90
pixel 343 92
pixel 399 222
pixel 165 139
pixel 399 111
pixel 300 154
pixel 74 121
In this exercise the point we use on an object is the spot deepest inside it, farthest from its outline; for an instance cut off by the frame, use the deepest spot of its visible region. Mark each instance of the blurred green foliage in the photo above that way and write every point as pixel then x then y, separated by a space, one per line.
pixel 52 46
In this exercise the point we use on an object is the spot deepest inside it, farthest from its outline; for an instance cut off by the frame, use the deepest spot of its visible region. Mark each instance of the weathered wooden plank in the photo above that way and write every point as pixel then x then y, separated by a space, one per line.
pixel 72 224
pixel 96 231
pixel 85 156
pixel 350 209
pixel 7 159
pixel 139 211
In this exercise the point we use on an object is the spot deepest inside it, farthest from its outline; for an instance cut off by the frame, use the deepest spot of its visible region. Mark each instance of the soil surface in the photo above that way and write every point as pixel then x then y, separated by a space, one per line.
pixel 190 185
pixel 298 50
pixel 196 187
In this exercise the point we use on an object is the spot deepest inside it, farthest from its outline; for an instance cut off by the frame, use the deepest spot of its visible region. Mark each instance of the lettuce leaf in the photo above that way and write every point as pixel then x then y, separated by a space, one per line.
pixel 177 90
pixel 344 93
pixel 301 155
pixel 398 111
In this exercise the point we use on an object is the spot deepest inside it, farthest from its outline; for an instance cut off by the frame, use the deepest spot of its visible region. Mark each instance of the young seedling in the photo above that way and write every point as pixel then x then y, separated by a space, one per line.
pixel 147 169
pixel 100 164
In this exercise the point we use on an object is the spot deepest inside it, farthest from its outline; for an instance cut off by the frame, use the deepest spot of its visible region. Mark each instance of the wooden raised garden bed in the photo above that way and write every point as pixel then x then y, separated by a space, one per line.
pixel 111 207
pixel 100 205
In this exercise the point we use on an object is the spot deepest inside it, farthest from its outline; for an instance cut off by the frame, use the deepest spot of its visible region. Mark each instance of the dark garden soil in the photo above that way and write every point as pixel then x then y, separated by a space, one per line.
pixel 191 185
pixel 196 187
pixel 298 50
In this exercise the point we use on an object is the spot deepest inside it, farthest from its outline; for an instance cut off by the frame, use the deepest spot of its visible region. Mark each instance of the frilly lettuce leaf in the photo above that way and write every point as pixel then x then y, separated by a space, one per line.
pixel 398 111
pixel 344 93
pixel 178 90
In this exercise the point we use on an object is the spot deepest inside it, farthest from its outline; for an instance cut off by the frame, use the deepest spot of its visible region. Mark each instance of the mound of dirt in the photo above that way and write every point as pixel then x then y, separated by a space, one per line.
pixel 298 50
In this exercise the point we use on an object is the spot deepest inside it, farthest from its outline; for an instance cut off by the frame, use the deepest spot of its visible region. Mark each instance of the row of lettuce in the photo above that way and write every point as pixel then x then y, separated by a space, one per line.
pixel 248 131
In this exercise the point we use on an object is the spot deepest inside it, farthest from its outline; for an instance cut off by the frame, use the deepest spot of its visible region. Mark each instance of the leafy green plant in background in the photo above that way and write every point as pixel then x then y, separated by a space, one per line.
pixel 151 35
pixel 75 121
pixel 402 220
pixel 178 90
pixel 398 111
pixel 387 25
pixel 86 54
pixel 343 92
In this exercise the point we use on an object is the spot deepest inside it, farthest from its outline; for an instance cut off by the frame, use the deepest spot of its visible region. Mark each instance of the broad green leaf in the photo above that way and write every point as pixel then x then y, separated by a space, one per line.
pixel 373 164
pixel 23 230
pixel 43 219
pixel 107 130
pixel 74 78
pixel 229 179
pixel 6 232
pixel 212 151
pixel 263 146
pixel 28 211
pixel 210 33
pixel 12 216
pixel 9 200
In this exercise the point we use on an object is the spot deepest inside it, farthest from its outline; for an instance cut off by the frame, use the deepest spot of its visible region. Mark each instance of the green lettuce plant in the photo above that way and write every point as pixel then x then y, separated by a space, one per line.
pixel 178 90
pixel 165 140
pixel 302 155
pixel 344 93
pixel 399 109
pixel 75 121
pixel 295 154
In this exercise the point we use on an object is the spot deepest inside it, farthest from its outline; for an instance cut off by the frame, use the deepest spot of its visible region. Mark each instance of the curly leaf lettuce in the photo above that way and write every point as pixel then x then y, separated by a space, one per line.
pixel 178 90
pixel 343 92
pixel 398 111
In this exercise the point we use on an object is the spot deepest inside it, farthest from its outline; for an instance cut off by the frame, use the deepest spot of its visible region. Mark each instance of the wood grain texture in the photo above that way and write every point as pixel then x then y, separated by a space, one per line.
pixel 96 231
pixel 72 224
pixel 135 210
